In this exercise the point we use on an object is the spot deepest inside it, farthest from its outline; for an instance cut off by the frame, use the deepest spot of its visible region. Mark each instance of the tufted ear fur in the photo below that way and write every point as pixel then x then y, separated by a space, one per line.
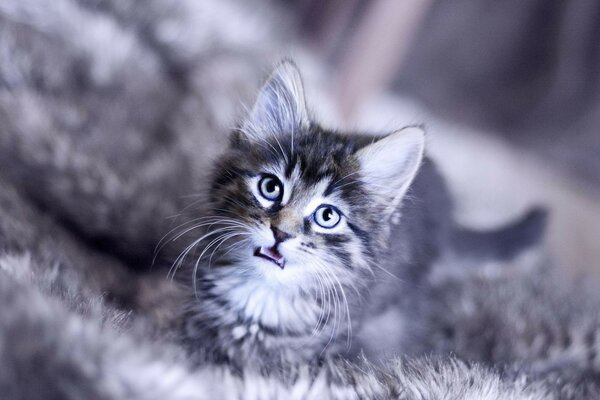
pixel 280 107
pixel 389 165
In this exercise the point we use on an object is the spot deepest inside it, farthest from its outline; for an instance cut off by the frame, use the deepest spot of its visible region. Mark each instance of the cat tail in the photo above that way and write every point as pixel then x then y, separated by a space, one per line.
pixel 502 243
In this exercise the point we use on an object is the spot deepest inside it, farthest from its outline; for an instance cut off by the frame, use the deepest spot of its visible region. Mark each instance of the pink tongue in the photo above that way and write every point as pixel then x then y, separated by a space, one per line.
pixel 272 254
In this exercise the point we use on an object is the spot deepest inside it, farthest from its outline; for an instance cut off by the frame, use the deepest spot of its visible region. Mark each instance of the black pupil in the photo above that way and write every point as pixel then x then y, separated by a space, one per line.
pixel 271 185
pixel 327 213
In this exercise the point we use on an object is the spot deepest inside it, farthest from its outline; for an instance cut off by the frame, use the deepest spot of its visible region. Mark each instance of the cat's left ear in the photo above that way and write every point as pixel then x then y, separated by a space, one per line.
pixel 280 108
pixel 389 165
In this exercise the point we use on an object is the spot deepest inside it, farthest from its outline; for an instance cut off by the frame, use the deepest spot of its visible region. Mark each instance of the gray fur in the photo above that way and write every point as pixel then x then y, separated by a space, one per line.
pixel 543 323
pixel 48 352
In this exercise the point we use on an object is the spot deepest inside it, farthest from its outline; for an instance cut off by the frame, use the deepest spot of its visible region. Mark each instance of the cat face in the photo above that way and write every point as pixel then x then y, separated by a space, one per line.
pixel 301 214
pixel 297 209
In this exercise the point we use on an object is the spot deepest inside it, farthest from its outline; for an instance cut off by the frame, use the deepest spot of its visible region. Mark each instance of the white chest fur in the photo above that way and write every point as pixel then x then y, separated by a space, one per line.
pixel 272 306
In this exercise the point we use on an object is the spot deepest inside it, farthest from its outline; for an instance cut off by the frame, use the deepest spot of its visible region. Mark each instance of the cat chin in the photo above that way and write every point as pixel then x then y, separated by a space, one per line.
pixel 292 275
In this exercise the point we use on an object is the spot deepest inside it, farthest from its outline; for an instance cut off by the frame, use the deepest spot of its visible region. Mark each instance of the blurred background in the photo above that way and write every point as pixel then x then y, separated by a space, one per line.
pixel 112 111
pixel 509 91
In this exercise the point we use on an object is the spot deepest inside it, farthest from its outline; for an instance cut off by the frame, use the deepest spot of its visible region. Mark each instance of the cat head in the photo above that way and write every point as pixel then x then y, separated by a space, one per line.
pixel 296 205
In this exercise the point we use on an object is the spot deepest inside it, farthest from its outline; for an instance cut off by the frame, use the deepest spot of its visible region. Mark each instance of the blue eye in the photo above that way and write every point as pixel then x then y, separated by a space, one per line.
pixel 327 216
pixel 270 188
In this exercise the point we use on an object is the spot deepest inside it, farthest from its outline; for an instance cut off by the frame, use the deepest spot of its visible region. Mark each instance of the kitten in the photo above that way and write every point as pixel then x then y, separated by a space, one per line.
pixel 306 252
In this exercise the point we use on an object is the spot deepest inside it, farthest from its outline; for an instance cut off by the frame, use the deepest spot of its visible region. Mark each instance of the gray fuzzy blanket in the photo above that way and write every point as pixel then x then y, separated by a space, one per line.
pixel 111 113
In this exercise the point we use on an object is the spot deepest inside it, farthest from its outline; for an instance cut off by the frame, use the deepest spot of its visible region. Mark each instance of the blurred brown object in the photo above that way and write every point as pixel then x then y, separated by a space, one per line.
pixel 377 50
pixel 365 40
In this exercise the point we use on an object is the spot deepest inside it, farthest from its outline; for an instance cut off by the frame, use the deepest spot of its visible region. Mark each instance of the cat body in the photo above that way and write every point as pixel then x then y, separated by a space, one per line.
pixel 250 319
pixel 315 242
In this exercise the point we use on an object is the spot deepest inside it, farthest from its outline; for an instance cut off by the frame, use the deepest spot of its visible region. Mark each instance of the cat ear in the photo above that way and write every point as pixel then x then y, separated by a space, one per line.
pixel 280 107
pixel 390 164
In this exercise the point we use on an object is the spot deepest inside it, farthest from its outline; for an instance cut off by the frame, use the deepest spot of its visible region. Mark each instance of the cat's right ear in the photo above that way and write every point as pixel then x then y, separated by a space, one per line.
pixel 390 164
pixel 280 107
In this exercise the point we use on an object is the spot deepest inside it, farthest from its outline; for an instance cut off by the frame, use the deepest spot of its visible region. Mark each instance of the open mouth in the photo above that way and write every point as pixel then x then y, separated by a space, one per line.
pixel 271 254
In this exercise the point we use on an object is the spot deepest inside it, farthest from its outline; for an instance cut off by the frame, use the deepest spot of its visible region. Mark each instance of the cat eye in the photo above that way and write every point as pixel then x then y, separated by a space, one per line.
pixel 270 188
pixel 327 216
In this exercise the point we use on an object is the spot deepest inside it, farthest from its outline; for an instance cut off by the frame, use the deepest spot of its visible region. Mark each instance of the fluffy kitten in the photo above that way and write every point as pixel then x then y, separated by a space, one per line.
pixel 305 251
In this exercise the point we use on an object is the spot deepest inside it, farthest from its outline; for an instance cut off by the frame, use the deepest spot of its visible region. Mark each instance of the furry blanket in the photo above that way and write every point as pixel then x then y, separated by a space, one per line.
pixel 111 112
